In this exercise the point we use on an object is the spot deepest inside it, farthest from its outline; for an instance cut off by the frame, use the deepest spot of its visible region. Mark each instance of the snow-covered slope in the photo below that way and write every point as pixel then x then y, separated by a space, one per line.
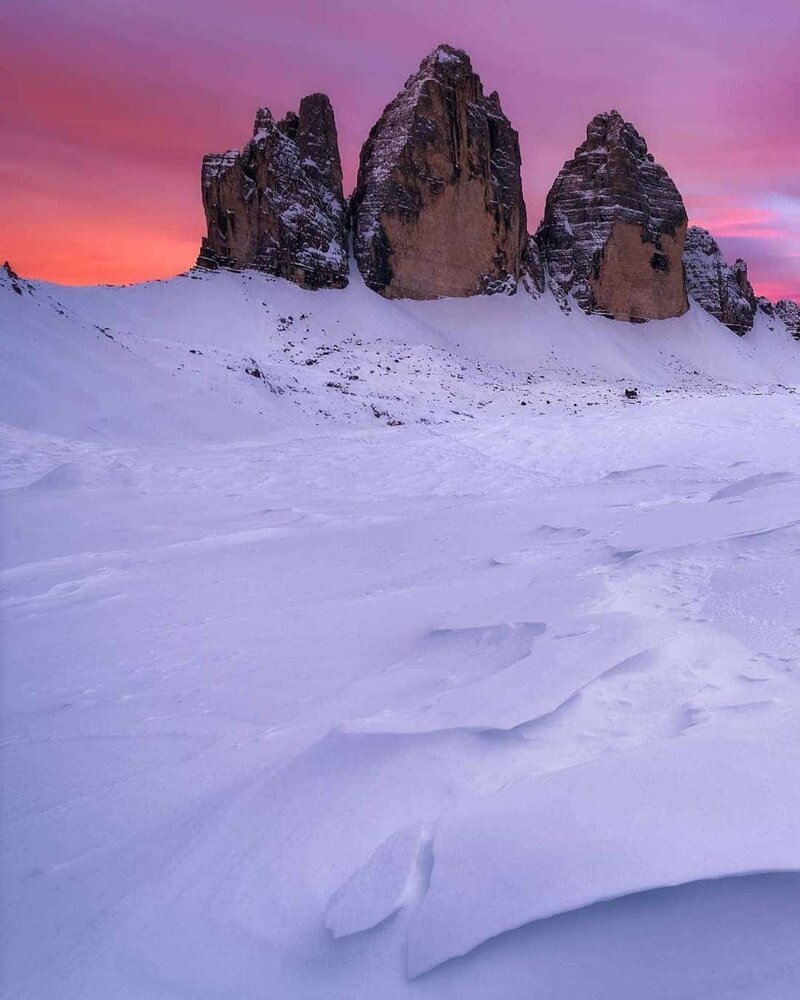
pixel 144 362
pixel 355 677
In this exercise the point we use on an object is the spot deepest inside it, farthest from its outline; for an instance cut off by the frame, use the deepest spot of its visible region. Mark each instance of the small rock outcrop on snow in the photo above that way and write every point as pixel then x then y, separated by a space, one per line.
pixel 438 207
pixel 13 278
pixel 614 226
pixel 788 311
pixel 721 289
pixel 277 205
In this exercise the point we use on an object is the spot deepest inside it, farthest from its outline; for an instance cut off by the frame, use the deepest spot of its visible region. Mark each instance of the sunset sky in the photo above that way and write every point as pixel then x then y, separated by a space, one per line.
pixel 108 106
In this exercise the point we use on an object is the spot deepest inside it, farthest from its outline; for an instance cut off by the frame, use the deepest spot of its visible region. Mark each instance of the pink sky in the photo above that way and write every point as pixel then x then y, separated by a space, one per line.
pixel 108 107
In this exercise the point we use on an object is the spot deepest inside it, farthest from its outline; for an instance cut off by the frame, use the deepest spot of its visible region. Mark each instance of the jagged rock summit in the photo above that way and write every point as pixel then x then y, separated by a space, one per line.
pixel 277 205
pixel 788 311
pixel 720 288
pixel 438 207
pixel 614 226
pixel 438 210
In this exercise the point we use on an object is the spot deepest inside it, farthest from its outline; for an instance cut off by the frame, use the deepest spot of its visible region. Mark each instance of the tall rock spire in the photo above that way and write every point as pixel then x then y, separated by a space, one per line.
pixel 614 226
pixel 438 207
pixel 277 205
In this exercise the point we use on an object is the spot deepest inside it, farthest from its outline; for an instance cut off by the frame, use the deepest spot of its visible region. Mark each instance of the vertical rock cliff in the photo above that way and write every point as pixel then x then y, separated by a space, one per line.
pixel 438 207
pixel 721 289
pixel 277 205
pixel 789 312
pixel 614 227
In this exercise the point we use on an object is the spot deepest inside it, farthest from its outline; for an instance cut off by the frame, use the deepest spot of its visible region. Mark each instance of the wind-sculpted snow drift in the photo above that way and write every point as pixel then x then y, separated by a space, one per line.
pixel 674 812
pixel 356 647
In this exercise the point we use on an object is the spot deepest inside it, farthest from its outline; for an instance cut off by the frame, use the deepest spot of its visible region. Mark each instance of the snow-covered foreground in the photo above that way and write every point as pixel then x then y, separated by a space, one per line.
pixel 356 678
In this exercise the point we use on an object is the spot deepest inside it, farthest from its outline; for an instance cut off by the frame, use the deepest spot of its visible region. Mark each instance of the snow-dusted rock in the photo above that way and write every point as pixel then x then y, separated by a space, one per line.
pixel 789 312
pixel 438 208
pixel 534 275
pixel 720 288
pixel 277 205
pixel 613 228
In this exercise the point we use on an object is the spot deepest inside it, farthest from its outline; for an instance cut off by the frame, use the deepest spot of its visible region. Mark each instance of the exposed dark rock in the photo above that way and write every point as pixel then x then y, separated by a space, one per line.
pixel 613 228
pixel 721 289
pixel 788 312
pixel 15 280
pixel 277 205
pixel 765 305
pixel 438 207
pixel 534 274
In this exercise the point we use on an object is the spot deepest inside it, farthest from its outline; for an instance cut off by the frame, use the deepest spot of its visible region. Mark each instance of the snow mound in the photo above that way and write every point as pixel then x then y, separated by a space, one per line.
pixel 379 888
pixel 342 636
pixel 532 687
pixel 224 356
pixel 76 475
pixel 657 816
pixel 756 482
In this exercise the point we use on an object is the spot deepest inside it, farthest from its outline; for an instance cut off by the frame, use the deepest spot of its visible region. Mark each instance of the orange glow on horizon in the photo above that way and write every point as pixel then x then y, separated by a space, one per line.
pixel 108 109
pixel 92 257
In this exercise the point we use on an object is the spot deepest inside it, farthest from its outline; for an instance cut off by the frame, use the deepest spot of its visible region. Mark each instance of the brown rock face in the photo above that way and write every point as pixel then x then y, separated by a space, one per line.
pixel 438 207
pixel 614 226
pixel 277 205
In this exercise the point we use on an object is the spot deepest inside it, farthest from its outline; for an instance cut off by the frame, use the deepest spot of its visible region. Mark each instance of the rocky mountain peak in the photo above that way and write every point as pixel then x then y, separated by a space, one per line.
pixel 614 225
pixel 277 205
pixel 446 58
pixel 263 122
pixel 438 207
pixel 609 130
pixel 789 312
pixel 722 289
pixel 318 142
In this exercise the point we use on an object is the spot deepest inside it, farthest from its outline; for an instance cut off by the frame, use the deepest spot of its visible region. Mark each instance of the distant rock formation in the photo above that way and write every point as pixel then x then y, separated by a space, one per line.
pixel 438 210
pixel 438 207
pixel 14 279
pixel 614 226
pixel 789 313
pixel 277 205
pixel 721 289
